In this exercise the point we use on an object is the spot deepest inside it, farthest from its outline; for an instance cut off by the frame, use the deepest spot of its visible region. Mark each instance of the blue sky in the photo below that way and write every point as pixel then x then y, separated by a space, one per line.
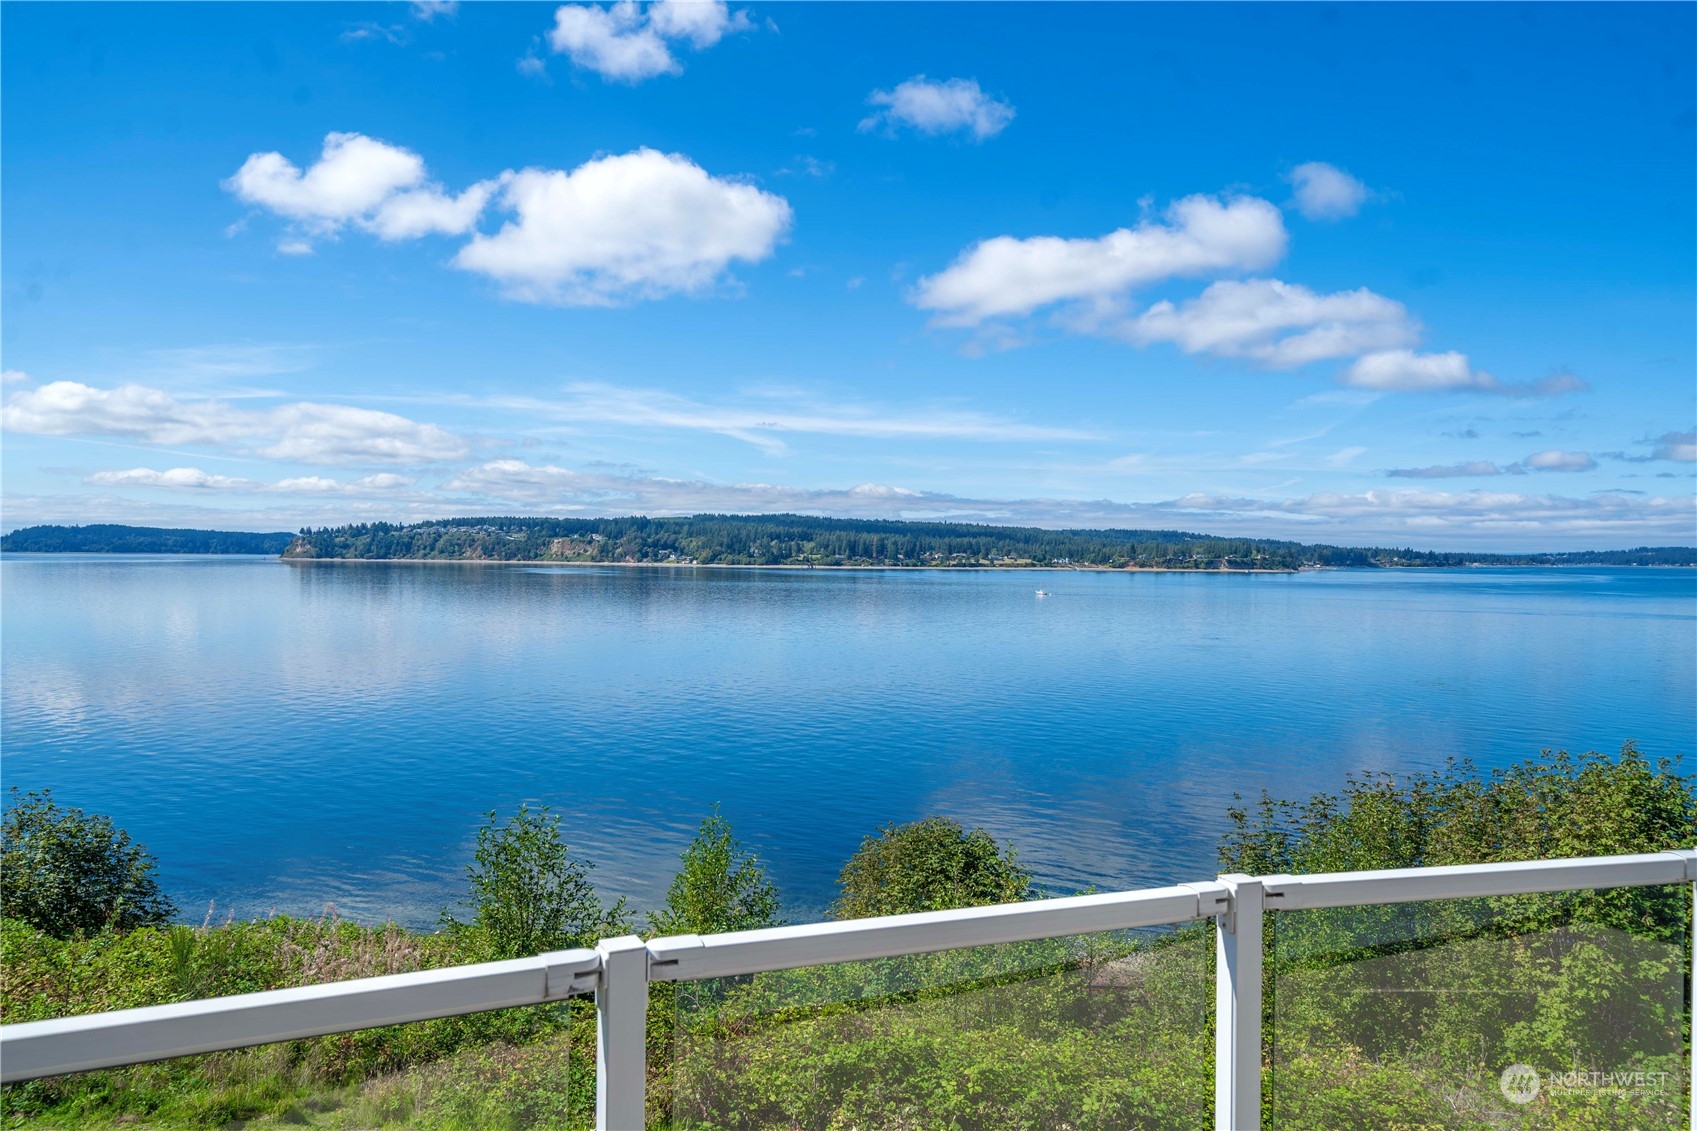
pixel 1372 273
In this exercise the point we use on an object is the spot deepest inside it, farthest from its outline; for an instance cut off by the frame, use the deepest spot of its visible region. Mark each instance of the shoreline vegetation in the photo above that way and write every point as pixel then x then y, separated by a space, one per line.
pixel 1103 1033
pixel 789 541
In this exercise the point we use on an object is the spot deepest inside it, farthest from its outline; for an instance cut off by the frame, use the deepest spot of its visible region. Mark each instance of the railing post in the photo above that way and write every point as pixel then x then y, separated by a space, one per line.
pixel 1237 1008
pixel 621 1036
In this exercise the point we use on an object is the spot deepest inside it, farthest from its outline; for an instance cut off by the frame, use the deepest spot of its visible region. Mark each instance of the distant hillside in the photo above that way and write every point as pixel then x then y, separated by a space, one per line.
pixel 138 540
pixel 788 539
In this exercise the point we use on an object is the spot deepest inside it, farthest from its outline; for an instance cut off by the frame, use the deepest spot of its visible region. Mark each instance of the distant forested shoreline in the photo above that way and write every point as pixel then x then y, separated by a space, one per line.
pixel 112 539
pixel 799 540
pixel 793 541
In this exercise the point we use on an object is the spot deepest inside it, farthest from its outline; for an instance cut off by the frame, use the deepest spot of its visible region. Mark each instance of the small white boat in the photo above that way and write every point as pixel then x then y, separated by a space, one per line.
pixel 1042 592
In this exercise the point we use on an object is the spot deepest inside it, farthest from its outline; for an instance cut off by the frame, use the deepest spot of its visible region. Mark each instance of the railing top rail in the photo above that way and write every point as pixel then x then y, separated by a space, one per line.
pixel 159 1032
pixel 103 1040
pixel 691 957
pixel 1520 877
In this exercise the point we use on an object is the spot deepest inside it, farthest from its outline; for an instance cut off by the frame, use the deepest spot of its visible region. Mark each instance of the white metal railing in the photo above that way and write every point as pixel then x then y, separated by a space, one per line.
pixel 619 971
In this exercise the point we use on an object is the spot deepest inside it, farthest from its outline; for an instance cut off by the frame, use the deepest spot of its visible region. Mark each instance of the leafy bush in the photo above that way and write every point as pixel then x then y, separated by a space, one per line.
pixel 70 873
pixel 929 865
pixel 719 888
pixel 529 894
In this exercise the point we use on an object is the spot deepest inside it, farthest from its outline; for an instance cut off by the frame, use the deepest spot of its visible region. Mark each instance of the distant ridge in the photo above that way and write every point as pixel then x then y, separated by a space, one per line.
pixel 800 540
pixel 787 540
pixel 109 539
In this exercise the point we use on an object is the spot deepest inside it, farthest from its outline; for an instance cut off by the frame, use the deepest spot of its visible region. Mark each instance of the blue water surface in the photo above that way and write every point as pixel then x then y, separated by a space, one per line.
pixel 286 736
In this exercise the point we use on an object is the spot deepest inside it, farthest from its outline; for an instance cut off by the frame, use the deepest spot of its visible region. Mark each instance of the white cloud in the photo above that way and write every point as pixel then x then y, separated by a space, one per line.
pixel 763 422
pixel 1280 325
pixel 177 477
pixel 352 176
pixel 1557 460
pixel 421 212
pixel 1472 468
pixel 1681 447
pixel 324 433
pixel 626 43
pixel 194 479
pixel 13 377
pixel 1407 371
pixel 1326 192
pixel 938 108
pixel 1404 371
pixel 702 22
pixel 357 180
pixel 381 483
pixel 301 431
pixel 616 229
pixel 428 10
pixel 1487 520
pixel 1005 276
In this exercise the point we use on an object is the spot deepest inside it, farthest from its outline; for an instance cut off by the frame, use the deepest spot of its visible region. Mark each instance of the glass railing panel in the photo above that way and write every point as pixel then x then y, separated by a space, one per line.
pixel 1566 1011
pixel 529 1067
pixel 1110 1031
pixel 524 1067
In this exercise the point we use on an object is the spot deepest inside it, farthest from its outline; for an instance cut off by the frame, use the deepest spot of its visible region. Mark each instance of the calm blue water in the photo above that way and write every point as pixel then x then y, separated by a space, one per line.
pixel 283 736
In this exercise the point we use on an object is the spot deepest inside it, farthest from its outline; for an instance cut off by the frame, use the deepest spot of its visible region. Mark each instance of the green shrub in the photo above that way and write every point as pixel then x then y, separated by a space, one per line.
pixel 69 873
pixel 929 865
pixel 719 888
pixel 529 894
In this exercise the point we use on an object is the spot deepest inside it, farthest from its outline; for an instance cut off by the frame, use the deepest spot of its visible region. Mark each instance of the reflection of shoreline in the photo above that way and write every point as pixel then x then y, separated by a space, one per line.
pixel 794 568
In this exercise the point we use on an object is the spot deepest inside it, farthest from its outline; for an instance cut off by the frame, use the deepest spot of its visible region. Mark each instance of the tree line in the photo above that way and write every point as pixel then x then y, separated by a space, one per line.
pixel 106 538
pixel 800 540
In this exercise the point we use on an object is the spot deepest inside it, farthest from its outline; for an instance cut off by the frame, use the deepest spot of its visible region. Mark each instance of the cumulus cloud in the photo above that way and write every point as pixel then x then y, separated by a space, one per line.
pixel 302 431
pixel 1680 447
pixel 1489 520
pixel 194 479
pixel 1557 460
pixel 1006 276
pixel 625 42
pixel 951 106
pixel 190 478
pixel 1326 192
pixel 430 210
pixel 13 377
pixel 1280 325
pixel 616 229
pixel 1469 469
pixel 357 180
pixel 352 176
pixel 1407 371
pixel 1404 371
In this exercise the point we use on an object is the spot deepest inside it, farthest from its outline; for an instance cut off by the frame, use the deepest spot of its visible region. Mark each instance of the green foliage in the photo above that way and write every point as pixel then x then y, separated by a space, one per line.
pixel 1555 805
pixel 72 873
pixel 1103 1034
pixel 720 887
pixel 928 865
pixel 1403 1015
pixel 105 538
pixel 529 894
pixel 789 539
